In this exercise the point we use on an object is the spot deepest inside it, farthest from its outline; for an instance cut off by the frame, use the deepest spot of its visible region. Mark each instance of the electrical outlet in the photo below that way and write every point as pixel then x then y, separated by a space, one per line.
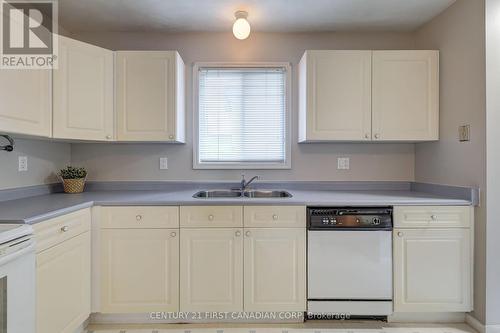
pixel 343 163
pixel 163 163
pixel 23 163
pixel 464 133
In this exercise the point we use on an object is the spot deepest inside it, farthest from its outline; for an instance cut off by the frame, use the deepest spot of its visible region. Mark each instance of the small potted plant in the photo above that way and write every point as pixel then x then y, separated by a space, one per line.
pixel 73 179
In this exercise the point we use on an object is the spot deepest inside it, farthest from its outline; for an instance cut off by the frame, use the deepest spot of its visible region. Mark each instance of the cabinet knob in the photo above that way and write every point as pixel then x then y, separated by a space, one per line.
pixel 433 217
pixel 65 228
pixel 377 136
pixel 367 136
pixel 138 217
pixel 237 233
pixel 210 217
pixel 173 234
pixel 248 233
pixel 171 137
pixel 275 217
pixel 108 137
pixel 400 234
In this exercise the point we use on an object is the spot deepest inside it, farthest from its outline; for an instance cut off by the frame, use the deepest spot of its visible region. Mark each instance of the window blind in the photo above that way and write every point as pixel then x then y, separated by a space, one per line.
pixel 242 115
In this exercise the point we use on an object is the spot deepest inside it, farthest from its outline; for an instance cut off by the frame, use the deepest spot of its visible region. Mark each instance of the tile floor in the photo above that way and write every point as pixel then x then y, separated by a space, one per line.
pixel 308 327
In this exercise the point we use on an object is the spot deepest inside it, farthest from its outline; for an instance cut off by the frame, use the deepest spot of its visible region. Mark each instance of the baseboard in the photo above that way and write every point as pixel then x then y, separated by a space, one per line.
pixel 83 327
pixel 426 317
pixel 200 318
pixel 480 327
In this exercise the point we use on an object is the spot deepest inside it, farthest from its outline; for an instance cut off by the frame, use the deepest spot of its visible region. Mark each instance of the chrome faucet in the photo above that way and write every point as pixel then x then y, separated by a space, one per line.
pixel 244 184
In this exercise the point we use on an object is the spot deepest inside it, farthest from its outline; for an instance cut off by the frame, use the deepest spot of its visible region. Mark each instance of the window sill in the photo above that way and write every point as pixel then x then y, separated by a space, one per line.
pixel 242 166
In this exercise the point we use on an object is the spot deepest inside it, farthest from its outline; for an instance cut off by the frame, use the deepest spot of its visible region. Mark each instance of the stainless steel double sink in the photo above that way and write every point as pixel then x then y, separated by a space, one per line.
pixel 213 194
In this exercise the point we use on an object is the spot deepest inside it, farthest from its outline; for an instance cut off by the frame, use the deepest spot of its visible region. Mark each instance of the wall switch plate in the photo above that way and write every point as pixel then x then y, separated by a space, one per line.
pixel 23 163
pixel 464 133
pixel 343 163
pixel 163 163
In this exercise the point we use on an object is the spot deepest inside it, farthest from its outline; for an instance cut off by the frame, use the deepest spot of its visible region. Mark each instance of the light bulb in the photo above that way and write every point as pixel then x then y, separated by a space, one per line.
pixel 241 27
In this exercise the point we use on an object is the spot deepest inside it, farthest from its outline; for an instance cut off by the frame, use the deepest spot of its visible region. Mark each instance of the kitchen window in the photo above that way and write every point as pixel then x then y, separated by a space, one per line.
pixel 242 116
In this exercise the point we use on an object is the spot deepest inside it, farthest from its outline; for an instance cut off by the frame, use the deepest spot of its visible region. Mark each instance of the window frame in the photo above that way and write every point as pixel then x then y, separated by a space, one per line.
pixel 288 117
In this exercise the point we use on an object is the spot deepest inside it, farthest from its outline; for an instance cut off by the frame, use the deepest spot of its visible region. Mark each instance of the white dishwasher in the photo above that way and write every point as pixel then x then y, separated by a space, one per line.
pixel 349 261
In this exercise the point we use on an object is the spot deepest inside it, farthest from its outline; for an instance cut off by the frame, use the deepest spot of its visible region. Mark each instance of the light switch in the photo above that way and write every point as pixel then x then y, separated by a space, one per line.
pixel 464 133
pixel 163 163
pixel 23 163
pixel 343 163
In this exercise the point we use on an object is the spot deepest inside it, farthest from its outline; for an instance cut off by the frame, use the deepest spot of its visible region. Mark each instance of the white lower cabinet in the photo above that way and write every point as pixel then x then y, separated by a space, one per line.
pixel 140 270
pixel 275 269
pixel 63 285
pixel 432 268
pixel 212 263
pixel 211 269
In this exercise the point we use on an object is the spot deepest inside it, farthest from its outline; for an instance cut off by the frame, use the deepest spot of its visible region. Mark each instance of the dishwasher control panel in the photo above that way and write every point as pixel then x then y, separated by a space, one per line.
pixel 348 218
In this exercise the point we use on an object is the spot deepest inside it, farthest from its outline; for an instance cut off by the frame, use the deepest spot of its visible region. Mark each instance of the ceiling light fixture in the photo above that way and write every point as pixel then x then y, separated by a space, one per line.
pixel 241 27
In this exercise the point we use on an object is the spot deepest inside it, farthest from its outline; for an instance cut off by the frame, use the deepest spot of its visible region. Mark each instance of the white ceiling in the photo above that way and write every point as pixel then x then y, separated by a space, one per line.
pixel 264 15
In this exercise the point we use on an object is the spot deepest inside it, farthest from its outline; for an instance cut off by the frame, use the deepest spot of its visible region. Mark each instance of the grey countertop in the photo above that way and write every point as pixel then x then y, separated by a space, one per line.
pixel 39 208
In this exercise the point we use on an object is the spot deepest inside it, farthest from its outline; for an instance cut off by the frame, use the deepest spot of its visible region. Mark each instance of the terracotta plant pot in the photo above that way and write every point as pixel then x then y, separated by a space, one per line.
pixel 74 185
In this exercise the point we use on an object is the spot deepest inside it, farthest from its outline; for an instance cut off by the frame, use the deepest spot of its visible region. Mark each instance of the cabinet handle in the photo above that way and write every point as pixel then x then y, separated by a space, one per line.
pixel 65 228
pixel 173 234
pixel 248 233
pixel 377 136
pixel 138 217
pixel 210 217
pixel 434 217
pixel 275 217
pixel 400 234
pixel 237 233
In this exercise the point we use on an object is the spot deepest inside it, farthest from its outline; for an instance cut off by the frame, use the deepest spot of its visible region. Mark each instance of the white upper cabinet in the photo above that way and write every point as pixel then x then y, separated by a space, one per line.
pixel 25 102
pixel 83 92
pixel 369 96
pixel 149 96
pixel 335 96
pixel 405 95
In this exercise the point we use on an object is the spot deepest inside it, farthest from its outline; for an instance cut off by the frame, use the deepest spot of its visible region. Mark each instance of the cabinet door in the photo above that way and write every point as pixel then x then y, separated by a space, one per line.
pixel 212 269
pixel 140 270
pixel 406 95
pixel 83 92
pixel 147 95
pixel 432 270
pixel 63 286
pixel 275 270
pixel 25 102
pixel 335 95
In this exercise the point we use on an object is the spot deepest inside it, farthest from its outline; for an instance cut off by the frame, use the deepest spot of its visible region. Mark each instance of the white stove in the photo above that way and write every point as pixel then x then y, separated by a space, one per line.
pixel 17 279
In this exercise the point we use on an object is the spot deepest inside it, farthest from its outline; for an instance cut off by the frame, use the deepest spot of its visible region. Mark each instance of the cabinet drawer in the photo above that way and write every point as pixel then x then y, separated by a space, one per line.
pixel 432 216
pixel 211 216
pixel 59 229
pixel 140 217
pixel 275 216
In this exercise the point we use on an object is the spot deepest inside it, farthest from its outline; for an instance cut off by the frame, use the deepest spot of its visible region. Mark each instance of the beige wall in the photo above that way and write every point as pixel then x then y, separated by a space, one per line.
pixel 44 161
pixel 459 35
pixel 309 162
